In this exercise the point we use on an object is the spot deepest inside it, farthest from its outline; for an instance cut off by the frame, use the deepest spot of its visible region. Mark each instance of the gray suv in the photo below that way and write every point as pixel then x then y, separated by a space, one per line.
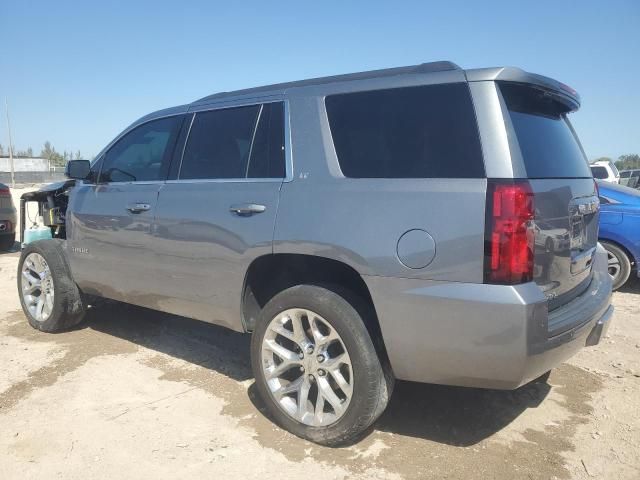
pixel 424 223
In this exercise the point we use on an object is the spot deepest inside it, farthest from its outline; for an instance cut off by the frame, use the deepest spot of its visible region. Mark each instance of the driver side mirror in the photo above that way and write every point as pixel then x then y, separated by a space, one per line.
pixel 78 169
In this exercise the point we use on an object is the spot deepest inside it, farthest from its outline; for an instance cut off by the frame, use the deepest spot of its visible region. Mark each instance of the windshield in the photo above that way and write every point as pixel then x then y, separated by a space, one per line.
pixel 547 142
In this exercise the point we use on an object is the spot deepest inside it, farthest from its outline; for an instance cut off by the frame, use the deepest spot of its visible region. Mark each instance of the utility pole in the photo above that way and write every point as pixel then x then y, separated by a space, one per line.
pixel 13 173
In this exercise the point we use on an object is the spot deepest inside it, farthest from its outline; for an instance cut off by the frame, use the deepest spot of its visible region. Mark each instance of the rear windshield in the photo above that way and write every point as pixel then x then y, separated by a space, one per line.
pixel 547 143
pixel 414 132
pixel 599 172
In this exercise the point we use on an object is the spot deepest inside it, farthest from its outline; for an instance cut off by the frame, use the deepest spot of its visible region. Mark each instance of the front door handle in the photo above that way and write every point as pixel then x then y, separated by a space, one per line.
pixel 247 209
pixel 139 207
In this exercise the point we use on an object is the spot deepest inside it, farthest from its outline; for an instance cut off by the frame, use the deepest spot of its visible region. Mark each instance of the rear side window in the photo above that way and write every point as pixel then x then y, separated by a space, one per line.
pixel 599 172
pixel 219 143
pixel 242 142
pixel 416 132
pixel 267 154
pixel 548 145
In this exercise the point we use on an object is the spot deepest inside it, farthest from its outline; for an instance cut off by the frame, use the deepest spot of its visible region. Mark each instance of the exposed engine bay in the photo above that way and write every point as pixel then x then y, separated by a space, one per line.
pixel 52 200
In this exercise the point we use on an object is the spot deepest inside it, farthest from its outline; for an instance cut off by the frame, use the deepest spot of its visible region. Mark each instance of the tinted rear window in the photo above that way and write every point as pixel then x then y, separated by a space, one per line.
pixel 219 143
pixel 416 132
pixel 267 153
pixel 549 147
pixel 235 143
pixel 599 172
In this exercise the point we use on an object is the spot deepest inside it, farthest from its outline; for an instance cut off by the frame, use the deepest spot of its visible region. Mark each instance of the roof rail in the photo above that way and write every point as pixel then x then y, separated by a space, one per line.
pixel 431 67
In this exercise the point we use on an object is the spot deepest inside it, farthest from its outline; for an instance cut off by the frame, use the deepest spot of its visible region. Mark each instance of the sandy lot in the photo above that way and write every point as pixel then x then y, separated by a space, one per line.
pixel 133 393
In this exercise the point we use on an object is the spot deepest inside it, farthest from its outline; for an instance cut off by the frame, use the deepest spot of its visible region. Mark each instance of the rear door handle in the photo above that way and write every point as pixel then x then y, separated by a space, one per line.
pixel 139 207
pixel 247 209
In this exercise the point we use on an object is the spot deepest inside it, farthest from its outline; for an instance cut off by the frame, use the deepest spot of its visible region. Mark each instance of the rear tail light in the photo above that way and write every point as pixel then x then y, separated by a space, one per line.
pixel 5 192
pixel 510 234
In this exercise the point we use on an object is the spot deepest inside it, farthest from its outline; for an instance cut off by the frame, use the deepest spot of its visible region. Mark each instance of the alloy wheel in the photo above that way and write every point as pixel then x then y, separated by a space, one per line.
pixel 613 266
pixel 37 287
pixel 307 367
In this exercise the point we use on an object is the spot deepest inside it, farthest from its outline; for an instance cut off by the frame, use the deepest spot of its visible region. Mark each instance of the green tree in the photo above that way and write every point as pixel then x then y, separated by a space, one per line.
pixel 47 150
pixel 50 153
pixel 30 152
pixel 1 150
pixel 628 161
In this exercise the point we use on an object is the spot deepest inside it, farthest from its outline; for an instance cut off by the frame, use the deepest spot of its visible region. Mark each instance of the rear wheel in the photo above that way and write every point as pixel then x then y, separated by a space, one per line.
pixel 50 299
pixel 316 367
pixel 618 264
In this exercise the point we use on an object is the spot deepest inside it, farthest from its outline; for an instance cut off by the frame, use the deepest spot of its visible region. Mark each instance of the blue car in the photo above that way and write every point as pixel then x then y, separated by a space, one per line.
pixel 620 230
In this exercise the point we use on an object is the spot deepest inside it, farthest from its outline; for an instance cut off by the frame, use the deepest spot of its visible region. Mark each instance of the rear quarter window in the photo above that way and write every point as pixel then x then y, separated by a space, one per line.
pixel 417 132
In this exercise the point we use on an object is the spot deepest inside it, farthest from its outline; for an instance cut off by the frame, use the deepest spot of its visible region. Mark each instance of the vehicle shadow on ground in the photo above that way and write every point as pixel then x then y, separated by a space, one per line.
pixel 632 285
pixel 448 415
pixel 193 341
pixel 15 249
pixel 455 415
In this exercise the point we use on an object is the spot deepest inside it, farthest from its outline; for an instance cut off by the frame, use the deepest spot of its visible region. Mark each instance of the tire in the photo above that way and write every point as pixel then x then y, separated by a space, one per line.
pixel 619 265
pixel 370 382
pixel 6 242
pixel 62 310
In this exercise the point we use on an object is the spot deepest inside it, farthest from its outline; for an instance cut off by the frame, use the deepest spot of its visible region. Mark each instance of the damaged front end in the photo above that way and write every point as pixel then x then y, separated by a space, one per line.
pixel 52 200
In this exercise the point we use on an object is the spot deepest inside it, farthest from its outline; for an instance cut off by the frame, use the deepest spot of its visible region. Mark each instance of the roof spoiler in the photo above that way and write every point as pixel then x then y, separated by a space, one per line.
pixel 560 91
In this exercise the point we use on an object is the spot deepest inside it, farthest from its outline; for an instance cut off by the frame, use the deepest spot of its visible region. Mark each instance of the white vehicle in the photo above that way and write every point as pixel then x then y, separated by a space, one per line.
pixel 606 171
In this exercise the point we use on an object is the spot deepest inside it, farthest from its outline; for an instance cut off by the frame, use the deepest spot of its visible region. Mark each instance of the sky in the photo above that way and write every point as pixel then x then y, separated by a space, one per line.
pixel 76 73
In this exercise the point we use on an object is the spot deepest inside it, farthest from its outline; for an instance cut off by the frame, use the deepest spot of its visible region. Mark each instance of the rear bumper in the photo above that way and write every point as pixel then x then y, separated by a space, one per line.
pixel 479 335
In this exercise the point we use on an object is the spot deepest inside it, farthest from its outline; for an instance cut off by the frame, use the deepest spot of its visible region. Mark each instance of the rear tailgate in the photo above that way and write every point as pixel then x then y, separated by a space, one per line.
pixel 565 199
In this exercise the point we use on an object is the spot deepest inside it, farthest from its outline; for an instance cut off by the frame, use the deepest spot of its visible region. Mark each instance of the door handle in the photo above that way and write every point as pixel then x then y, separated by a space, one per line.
pixel 247 209
pixel 139 207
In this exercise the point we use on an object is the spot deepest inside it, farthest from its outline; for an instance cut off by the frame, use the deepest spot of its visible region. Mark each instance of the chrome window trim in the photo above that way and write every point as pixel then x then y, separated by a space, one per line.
pixel 141 182
pixel 253 139
pixel 184 145
pixel 236 104
pixel 226 180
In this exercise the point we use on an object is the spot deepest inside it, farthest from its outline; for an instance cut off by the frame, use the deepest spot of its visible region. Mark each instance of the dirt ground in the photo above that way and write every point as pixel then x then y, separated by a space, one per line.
pixel 133 393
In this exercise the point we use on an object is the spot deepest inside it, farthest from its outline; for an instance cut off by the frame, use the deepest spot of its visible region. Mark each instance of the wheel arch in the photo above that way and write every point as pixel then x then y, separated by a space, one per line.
pixel 270 274
pixel 623 247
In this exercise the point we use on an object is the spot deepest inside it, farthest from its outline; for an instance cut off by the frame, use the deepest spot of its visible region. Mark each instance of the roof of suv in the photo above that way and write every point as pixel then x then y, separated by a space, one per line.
pixel 511 74
pixel 431 67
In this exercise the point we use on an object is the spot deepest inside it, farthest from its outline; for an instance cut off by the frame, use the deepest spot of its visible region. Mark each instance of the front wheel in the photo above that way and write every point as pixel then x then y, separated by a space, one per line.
pixel 50 298
pixel 316 367
pixel 618 264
